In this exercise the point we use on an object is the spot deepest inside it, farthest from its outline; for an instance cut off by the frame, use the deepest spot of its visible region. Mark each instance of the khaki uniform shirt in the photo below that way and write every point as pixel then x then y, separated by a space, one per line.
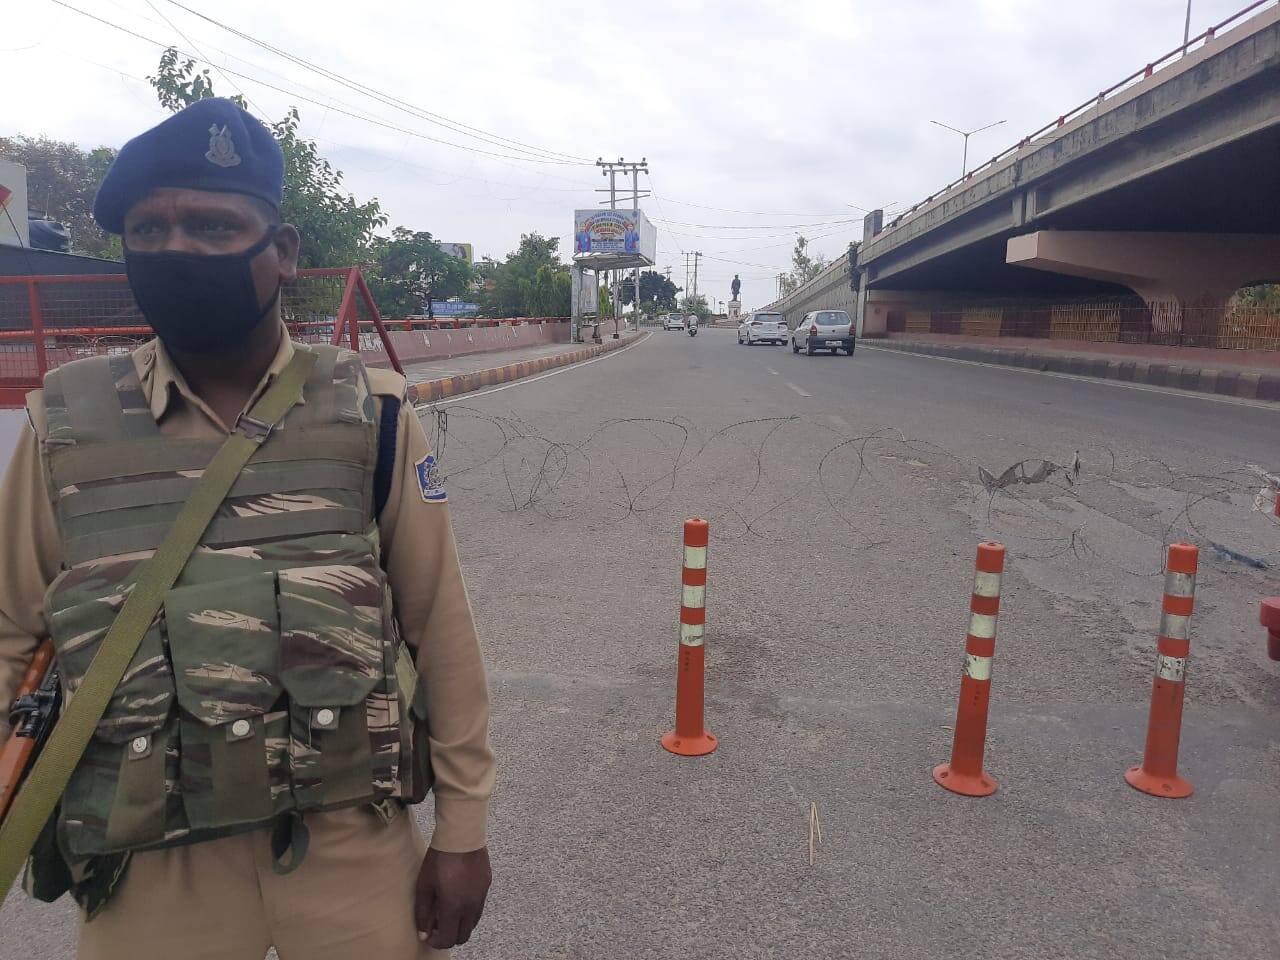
pixel 418 554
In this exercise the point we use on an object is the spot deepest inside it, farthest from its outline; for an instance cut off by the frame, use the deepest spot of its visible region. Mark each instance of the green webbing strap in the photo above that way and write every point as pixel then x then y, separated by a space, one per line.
pixel 52 770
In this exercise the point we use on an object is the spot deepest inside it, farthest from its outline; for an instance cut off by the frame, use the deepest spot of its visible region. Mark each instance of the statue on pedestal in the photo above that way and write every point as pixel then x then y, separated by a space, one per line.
pixel 735 286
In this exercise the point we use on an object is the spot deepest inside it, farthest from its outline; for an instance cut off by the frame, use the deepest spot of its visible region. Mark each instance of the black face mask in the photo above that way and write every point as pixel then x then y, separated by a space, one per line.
pixel 197 303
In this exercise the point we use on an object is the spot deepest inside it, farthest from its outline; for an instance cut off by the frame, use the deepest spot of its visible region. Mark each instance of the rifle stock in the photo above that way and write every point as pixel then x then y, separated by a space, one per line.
pixel 34 710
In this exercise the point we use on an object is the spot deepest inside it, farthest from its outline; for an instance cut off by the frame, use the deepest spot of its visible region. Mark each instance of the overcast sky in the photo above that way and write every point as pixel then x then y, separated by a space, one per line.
pixel 755 117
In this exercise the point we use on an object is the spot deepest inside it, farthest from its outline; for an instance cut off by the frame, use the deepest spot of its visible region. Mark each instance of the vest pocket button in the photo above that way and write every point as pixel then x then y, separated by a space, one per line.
pixel 240 728
pixel 140 746
pixel 324 718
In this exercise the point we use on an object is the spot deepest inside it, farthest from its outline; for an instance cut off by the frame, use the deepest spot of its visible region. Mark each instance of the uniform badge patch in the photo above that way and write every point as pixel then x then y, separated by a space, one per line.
pixel 222 149
pixel 430 484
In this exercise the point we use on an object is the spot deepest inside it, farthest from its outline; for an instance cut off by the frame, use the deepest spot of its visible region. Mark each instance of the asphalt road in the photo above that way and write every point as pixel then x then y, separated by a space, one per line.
pixel 845 504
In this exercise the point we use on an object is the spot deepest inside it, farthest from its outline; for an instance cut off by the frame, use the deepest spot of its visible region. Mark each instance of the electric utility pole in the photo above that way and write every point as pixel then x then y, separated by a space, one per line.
pixel 611 169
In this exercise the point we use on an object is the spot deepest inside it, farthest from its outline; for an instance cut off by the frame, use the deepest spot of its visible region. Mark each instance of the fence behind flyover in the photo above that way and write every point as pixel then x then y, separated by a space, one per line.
pixel 1162 324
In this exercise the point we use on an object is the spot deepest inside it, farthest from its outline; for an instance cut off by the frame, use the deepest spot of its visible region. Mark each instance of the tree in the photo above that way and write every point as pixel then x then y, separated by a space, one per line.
pixel 697 305
pixel 336 229
pixel 549 293
pixel 519 287
pixel 411 270
pixel 656 292
pixel 62 180
pixel 803 267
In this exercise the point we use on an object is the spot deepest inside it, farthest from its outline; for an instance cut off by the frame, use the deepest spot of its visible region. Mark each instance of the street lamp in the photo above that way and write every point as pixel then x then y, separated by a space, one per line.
pixel 964 163
pixel 1186 29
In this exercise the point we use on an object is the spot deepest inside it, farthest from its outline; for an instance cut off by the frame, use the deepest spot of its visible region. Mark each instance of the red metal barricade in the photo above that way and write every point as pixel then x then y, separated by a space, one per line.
pixel 51 320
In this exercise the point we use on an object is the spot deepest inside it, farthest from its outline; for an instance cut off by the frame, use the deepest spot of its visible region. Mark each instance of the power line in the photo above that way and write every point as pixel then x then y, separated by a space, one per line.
pixel 394 159
pixel 191 44
pixel 387 99
pixel 327 106
pixel 748 213
pixel 757 226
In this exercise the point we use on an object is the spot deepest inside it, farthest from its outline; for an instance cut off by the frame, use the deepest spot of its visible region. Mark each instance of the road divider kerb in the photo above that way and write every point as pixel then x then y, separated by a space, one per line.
pixel 432 390
pixel 1244 385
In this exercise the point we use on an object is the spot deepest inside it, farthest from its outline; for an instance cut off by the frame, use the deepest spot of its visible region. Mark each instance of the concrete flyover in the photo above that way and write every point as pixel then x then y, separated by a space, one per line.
pixel 1181 160
pixel 833 289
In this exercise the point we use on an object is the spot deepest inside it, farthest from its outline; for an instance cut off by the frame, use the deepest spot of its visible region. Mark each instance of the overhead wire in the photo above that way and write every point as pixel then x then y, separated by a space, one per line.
pixel 453 175
pixel 456 126
pixel 327 106
pixel 193 46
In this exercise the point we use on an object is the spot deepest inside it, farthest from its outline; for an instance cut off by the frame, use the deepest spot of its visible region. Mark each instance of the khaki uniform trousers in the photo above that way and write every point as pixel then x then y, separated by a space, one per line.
pixel 351 898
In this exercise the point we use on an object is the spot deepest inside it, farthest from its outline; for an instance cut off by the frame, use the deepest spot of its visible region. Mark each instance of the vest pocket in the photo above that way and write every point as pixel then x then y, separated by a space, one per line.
pixel 115 798
pixel 142 701
pixel 332 667
pixel 223 641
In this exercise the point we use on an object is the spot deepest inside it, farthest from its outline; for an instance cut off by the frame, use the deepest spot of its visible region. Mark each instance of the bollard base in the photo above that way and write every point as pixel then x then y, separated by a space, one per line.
pixel 698 746
pixel 1174 787
pixel 965 784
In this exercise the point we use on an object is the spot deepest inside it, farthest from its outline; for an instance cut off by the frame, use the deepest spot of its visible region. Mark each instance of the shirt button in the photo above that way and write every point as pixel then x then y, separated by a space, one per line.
pixel 324 717
pixel 139 745
pixel 240 728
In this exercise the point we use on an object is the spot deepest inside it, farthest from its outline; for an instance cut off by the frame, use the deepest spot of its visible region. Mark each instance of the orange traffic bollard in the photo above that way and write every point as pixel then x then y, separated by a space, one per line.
pixel 964 774
pixel 1158 774
pixel 689 738
pixel 1270 618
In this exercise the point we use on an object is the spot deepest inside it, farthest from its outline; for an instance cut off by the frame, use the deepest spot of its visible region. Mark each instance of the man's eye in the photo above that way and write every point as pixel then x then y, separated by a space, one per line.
pixel 216 226
pixel 145 228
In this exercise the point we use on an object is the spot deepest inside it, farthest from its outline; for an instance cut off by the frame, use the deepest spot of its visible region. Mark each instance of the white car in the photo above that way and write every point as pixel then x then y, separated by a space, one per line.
pixel 824 330
pixel 673 321
pixel 762 328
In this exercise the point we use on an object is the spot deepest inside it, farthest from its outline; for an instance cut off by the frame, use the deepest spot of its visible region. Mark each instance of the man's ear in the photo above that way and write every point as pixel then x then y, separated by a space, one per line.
pixel 287 243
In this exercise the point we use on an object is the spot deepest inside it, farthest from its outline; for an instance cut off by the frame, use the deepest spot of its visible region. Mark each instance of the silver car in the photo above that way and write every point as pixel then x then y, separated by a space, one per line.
pixel 762 328
pixel 824 330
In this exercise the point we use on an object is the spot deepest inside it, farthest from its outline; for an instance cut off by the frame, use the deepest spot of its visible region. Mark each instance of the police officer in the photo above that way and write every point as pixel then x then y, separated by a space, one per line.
pixel 316 661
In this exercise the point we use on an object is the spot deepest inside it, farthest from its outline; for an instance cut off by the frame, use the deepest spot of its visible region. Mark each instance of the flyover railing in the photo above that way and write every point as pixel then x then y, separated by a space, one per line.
pixel 1063 119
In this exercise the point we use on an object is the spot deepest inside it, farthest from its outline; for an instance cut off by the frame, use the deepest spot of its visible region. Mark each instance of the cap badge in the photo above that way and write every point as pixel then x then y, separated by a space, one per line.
pixel 222 151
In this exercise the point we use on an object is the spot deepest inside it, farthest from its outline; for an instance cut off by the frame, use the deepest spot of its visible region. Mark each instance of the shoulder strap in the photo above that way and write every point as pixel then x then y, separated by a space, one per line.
pixel 53 768
pixel 385 471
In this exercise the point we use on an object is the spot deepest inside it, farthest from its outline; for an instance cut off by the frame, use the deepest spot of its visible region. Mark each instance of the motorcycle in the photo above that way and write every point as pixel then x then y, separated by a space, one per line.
pixel 693 329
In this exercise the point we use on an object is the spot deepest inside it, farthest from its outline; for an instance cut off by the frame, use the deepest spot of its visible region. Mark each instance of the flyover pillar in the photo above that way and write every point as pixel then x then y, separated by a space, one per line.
pixel 1191 269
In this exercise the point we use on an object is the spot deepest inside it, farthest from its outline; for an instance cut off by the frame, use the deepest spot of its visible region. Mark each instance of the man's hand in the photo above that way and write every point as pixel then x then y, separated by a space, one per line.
pixel 450 896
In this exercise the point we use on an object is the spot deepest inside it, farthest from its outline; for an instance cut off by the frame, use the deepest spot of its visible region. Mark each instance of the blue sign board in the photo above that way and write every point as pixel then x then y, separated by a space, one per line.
pixel 453 308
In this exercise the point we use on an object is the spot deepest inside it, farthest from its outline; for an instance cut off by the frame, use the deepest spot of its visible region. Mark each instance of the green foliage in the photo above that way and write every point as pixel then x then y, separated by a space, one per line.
pixel 410 270
pixel 531 282
pixel 656 292
pixel 550 292
pixel 336 229
pixel 62 180
pixel 803 267
pixel 696 305
pixel 1262 296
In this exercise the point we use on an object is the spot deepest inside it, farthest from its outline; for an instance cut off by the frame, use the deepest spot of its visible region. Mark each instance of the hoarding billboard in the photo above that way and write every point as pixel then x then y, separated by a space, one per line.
pixel 459 251
pixel 614 232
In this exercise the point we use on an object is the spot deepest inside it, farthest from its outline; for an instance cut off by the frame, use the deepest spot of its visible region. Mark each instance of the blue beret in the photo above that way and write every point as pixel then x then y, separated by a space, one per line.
pixel 211 145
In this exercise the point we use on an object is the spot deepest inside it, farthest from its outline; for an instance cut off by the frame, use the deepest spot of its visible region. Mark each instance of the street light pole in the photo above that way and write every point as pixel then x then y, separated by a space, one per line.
pixel 964 162
pixel 1186 30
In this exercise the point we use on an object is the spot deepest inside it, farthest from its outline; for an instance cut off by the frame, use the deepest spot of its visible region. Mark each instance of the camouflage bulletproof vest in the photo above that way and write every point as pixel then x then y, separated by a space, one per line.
pixel 274 680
